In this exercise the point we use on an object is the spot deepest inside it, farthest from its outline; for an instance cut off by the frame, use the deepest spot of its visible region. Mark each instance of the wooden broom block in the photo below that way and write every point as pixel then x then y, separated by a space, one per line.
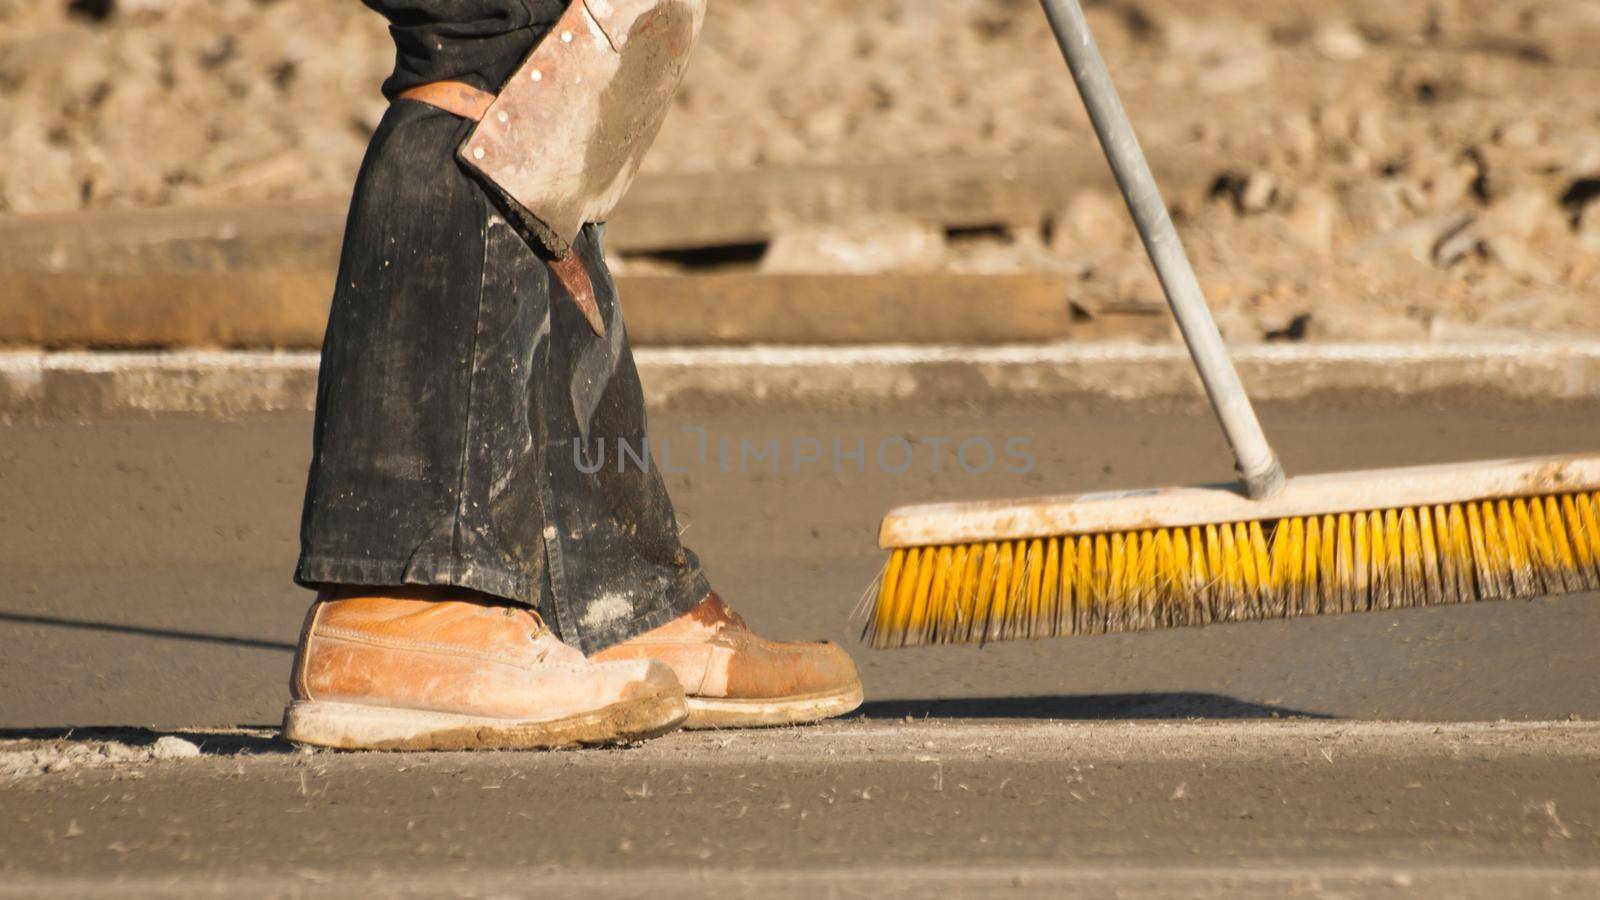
pixel 937 524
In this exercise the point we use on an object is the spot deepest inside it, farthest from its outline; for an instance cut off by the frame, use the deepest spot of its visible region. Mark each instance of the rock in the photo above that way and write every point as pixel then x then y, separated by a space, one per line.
pixel 1579 198
pixel 1222 56
pixel 1521 214
pixel 1538 309
pixel 1237 325
pixel 1450 184
pixel 1235 73
pixel 1340 42
pixel 50 182
pixel 1352 157
pixel 1313 219
pixel 1297 140
pixel 1007 253
pixel 1488 181
pixel 1259 194
pixel 1444 330
pixel 1251 192
pixel 1442 16
pixel 1442 178
pixel 1519 133
pixel 1333 123
pixel 1429 81
pixel 1457 244
pixel 1358 322
pixel 29 13
pixel 1377 206
pixel 1294 328
pixel 152 9
pixel 1588 229
pixel 1566 30
pixel 862 247
pixel 173 747
pixel 1368 132
pixel 1513 254
pixel 1131 279
pixel 1422 240
pixel 1093 222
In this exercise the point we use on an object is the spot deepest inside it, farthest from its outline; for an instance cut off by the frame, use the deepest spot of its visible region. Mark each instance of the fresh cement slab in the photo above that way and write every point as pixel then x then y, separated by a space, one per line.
pixel 144 564
pixel 144 570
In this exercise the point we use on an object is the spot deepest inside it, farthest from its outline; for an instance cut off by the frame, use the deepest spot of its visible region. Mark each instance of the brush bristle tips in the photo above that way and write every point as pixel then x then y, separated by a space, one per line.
pixel 1135 581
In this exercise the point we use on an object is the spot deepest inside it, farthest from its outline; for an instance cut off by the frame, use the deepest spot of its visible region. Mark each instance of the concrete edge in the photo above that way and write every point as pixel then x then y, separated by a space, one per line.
pixel 234 383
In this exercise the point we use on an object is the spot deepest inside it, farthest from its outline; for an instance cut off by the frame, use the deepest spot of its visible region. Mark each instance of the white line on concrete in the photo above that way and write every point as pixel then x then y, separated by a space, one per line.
pixel 773 356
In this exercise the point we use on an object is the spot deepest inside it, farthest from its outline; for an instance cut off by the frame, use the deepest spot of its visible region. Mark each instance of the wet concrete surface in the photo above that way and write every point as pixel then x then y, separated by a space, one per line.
pixel 144 581
pixel 144 565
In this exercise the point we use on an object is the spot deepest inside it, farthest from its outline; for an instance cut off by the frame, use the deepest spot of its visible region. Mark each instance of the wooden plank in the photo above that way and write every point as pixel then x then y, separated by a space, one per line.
pixel 289 309
pixel 845 309
pixel 723 208
pixel 663 212
pixel 259 276
pixel 137 310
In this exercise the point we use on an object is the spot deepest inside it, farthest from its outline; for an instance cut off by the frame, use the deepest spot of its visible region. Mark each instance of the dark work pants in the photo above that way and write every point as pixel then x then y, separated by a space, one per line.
pixel 457 376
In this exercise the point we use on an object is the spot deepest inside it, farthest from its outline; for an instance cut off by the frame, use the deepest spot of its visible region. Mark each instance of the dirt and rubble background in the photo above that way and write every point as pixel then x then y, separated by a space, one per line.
pixel 1412 170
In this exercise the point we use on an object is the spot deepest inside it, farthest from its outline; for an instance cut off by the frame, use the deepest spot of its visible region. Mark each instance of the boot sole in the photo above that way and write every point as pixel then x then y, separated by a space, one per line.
pixel 710 712
pixel 352 726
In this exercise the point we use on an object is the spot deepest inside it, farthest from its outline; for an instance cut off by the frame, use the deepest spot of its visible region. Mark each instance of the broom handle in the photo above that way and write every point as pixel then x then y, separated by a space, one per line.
pixel 1258 465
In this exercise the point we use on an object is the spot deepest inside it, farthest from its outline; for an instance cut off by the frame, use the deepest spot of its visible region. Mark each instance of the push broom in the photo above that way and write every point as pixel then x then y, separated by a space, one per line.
pixel 1267 547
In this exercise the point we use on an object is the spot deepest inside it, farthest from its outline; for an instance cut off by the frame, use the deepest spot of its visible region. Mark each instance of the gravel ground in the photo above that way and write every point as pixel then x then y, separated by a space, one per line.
pixel 1368 170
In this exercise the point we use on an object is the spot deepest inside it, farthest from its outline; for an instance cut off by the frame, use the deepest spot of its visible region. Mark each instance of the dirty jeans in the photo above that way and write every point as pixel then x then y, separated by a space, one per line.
pixel 458 379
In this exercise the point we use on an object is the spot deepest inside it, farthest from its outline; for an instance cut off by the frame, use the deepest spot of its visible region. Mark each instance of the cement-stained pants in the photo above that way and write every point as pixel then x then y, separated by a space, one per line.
pixel 457 375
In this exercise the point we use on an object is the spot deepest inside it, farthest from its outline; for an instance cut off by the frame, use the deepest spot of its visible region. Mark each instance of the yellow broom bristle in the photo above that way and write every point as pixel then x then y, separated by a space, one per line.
pixel 1241 571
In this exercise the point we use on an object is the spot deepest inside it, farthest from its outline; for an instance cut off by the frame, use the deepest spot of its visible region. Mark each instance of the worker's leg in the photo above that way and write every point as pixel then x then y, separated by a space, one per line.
pixel 428 504
pixel 455 389
pixel 425 465
pixel 623 587
pixel 616 567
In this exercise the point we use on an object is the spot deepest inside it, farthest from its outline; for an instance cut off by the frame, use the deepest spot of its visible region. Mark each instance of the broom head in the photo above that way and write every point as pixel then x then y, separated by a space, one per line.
pixel 1167 557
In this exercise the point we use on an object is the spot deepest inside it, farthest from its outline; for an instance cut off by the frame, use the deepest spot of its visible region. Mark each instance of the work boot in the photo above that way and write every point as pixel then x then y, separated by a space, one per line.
pixel 410 670
pixel 736 679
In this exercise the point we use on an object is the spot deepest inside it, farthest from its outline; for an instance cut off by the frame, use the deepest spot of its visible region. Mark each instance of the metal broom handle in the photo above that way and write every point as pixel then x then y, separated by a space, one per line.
pixel 1258 465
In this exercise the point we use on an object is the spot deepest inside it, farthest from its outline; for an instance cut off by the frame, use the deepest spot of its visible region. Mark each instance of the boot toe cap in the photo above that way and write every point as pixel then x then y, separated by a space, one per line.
pixel 793 669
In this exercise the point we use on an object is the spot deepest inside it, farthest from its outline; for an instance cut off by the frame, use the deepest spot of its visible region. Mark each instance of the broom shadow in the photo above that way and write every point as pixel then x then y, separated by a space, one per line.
pixel 227 640
pixel 1086 708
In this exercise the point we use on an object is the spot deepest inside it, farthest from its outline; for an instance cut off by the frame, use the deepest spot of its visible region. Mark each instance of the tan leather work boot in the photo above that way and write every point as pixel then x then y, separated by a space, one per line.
pixel 736 679
pixel 407 671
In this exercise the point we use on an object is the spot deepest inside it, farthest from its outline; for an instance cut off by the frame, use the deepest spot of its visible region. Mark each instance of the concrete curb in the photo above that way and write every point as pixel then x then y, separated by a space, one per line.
pixel 227 383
